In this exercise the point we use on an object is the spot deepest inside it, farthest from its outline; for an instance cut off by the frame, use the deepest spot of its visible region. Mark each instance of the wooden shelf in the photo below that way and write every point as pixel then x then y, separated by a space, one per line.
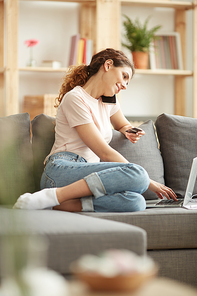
pixel 161 3
pixel 165 72
pixel 137 71
pixel 42 69
pixel 77 1
pixel 170 4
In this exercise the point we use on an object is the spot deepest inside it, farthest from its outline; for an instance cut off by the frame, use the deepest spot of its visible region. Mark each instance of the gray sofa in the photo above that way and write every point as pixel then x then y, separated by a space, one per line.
pixel 168 235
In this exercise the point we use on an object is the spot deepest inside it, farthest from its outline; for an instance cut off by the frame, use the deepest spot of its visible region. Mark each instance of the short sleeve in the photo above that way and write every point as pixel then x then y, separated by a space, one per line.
pixel 76 111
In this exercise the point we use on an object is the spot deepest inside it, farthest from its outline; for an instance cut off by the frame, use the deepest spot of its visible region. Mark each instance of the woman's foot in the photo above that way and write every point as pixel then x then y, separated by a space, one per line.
pixel 39 200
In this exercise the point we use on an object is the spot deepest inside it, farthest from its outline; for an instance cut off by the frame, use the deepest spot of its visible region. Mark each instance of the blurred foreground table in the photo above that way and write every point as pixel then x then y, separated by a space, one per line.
pixel 156 287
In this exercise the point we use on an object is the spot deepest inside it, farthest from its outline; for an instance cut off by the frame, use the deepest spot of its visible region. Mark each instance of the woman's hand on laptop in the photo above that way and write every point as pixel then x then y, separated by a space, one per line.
pixel 162 190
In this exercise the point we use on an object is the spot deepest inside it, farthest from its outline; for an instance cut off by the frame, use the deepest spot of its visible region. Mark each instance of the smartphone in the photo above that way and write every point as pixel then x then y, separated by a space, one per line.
pixel 109 100
pixel 134 130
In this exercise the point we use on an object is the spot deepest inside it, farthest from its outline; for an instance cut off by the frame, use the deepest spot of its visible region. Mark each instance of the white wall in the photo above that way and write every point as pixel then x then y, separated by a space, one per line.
pixel 154 94
pixel 52 23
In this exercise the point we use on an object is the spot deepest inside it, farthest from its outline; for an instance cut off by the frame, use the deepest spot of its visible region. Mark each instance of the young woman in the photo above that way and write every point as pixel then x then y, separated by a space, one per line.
pixel 74 179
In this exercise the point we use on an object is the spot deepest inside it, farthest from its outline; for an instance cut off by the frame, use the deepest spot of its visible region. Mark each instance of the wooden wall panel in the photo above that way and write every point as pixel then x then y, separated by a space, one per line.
pixel 179 88
pixel 108 24
pixel 195 60
pixel 1 58
pixel 11 91
pixel 87 23
pixel 179 97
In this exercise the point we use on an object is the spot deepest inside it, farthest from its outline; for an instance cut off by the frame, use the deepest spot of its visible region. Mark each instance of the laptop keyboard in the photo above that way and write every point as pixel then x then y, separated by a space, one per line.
pixel 170 202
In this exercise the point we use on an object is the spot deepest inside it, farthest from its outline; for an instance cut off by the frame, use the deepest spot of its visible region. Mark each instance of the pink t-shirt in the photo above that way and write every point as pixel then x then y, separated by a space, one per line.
pixel 77 108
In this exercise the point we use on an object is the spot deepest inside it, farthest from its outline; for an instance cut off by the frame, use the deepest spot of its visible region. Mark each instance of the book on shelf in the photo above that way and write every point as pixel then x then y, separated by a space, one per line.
pixel 165 52
pixel 89 50
pixel 81 50
pixel 52 64
pixel 74 49
pixel 84 51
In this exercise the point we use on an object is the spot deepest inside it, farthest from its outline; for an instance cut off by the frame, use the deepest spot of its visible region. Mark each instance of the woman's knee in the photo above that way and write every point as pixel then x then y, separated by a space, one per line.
pixel 134 202
pixel 142 178
pixel 141 204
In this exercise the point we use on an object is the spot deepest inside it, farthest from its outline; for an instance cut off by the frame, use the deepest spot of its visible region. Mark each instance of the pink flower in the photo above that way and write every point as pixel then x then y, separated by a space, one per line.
pixel 31 42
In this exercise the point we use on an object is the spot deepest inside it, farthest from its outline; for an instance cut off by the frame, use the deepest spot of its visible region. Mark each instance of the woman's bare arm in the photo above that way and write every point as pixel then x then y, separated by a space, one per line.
pixel 91 136
pixel 121 124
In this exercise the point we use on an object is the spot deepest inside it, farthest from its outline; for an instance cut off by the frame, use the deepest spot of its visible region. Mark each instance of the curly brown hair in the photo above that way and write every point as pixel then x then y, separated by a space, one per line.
pixel 79 75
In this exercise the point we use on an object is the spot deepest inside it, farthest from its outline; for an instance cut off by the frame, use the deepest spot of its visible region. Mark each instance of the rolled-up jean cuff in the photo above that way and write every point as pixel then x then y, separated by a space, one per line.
pixel 87 204
pixel 95 185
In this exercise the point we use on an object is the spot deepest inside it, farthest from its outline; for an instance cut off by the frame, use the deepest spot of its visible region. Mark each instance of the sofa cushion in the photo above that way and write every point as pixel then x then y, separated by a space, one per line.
pixel 178 144
pixel 71 235
pixel 145 153
pixel 166 228
pixel 16 158
pixel 43 131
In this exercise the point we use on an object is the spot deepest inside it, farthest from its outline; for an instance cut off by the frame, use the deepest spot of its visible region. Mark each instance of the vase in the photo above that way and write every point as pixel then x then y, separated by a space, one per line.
pixel 140 59
pixel 31 62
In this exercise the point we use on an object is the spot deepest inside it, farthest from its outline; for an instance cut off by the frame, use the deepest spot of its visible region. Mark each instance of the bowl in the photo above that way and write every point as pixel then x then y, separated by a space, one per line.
pixel 124 282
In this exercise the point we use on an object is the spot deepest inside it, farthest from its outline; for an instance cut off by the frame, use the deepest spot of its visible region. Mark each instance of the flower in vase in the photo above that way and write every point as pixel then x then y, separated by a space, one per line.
pixel 31 43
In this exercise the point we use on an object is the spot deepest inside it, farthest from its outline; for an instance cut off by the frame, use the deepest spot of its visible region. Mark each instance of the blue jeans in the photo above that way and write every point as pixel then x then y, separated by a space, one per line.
pixel 115 187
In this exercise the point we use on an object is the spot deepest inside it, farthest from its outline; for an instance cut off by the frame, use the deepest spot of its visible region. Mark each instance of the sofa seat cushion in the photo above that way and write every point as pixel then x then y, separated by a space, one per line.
pixel 16 158
pixel 145 153
pixel 166 228
pixel 178 144
pixel 71 235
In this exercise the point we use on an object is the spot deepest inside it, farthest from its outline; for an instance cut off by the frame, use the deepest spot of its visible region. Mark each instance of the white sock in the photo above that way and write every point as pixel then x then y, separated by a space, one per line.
pixel 42 199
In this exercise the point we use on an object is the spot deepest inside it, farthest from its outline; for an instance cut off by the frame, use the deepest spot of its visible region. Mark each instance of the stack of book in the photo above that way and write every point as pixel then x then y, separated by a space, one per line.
pixel 81 50
pixel 165 52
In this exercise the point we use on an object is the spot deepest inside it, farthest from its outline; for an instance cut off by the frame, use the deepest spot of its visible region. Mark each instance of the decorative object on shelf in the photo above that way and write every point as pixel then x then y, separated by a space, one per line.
pixel 166 52
pixel 31 43
pixel 38 104
pixel 51 64
pixel 139 39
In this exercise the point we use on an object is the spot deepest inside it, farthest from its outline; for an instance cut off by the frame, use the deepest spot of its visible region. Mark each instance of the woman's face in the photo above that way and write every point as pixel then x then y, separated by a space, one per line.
pixel 116 79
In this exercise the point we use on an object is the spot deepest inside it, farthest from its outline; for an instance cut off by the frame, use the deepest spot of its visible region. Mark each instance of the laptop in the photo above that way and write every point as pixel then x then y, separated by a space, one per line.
pixel 189 201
